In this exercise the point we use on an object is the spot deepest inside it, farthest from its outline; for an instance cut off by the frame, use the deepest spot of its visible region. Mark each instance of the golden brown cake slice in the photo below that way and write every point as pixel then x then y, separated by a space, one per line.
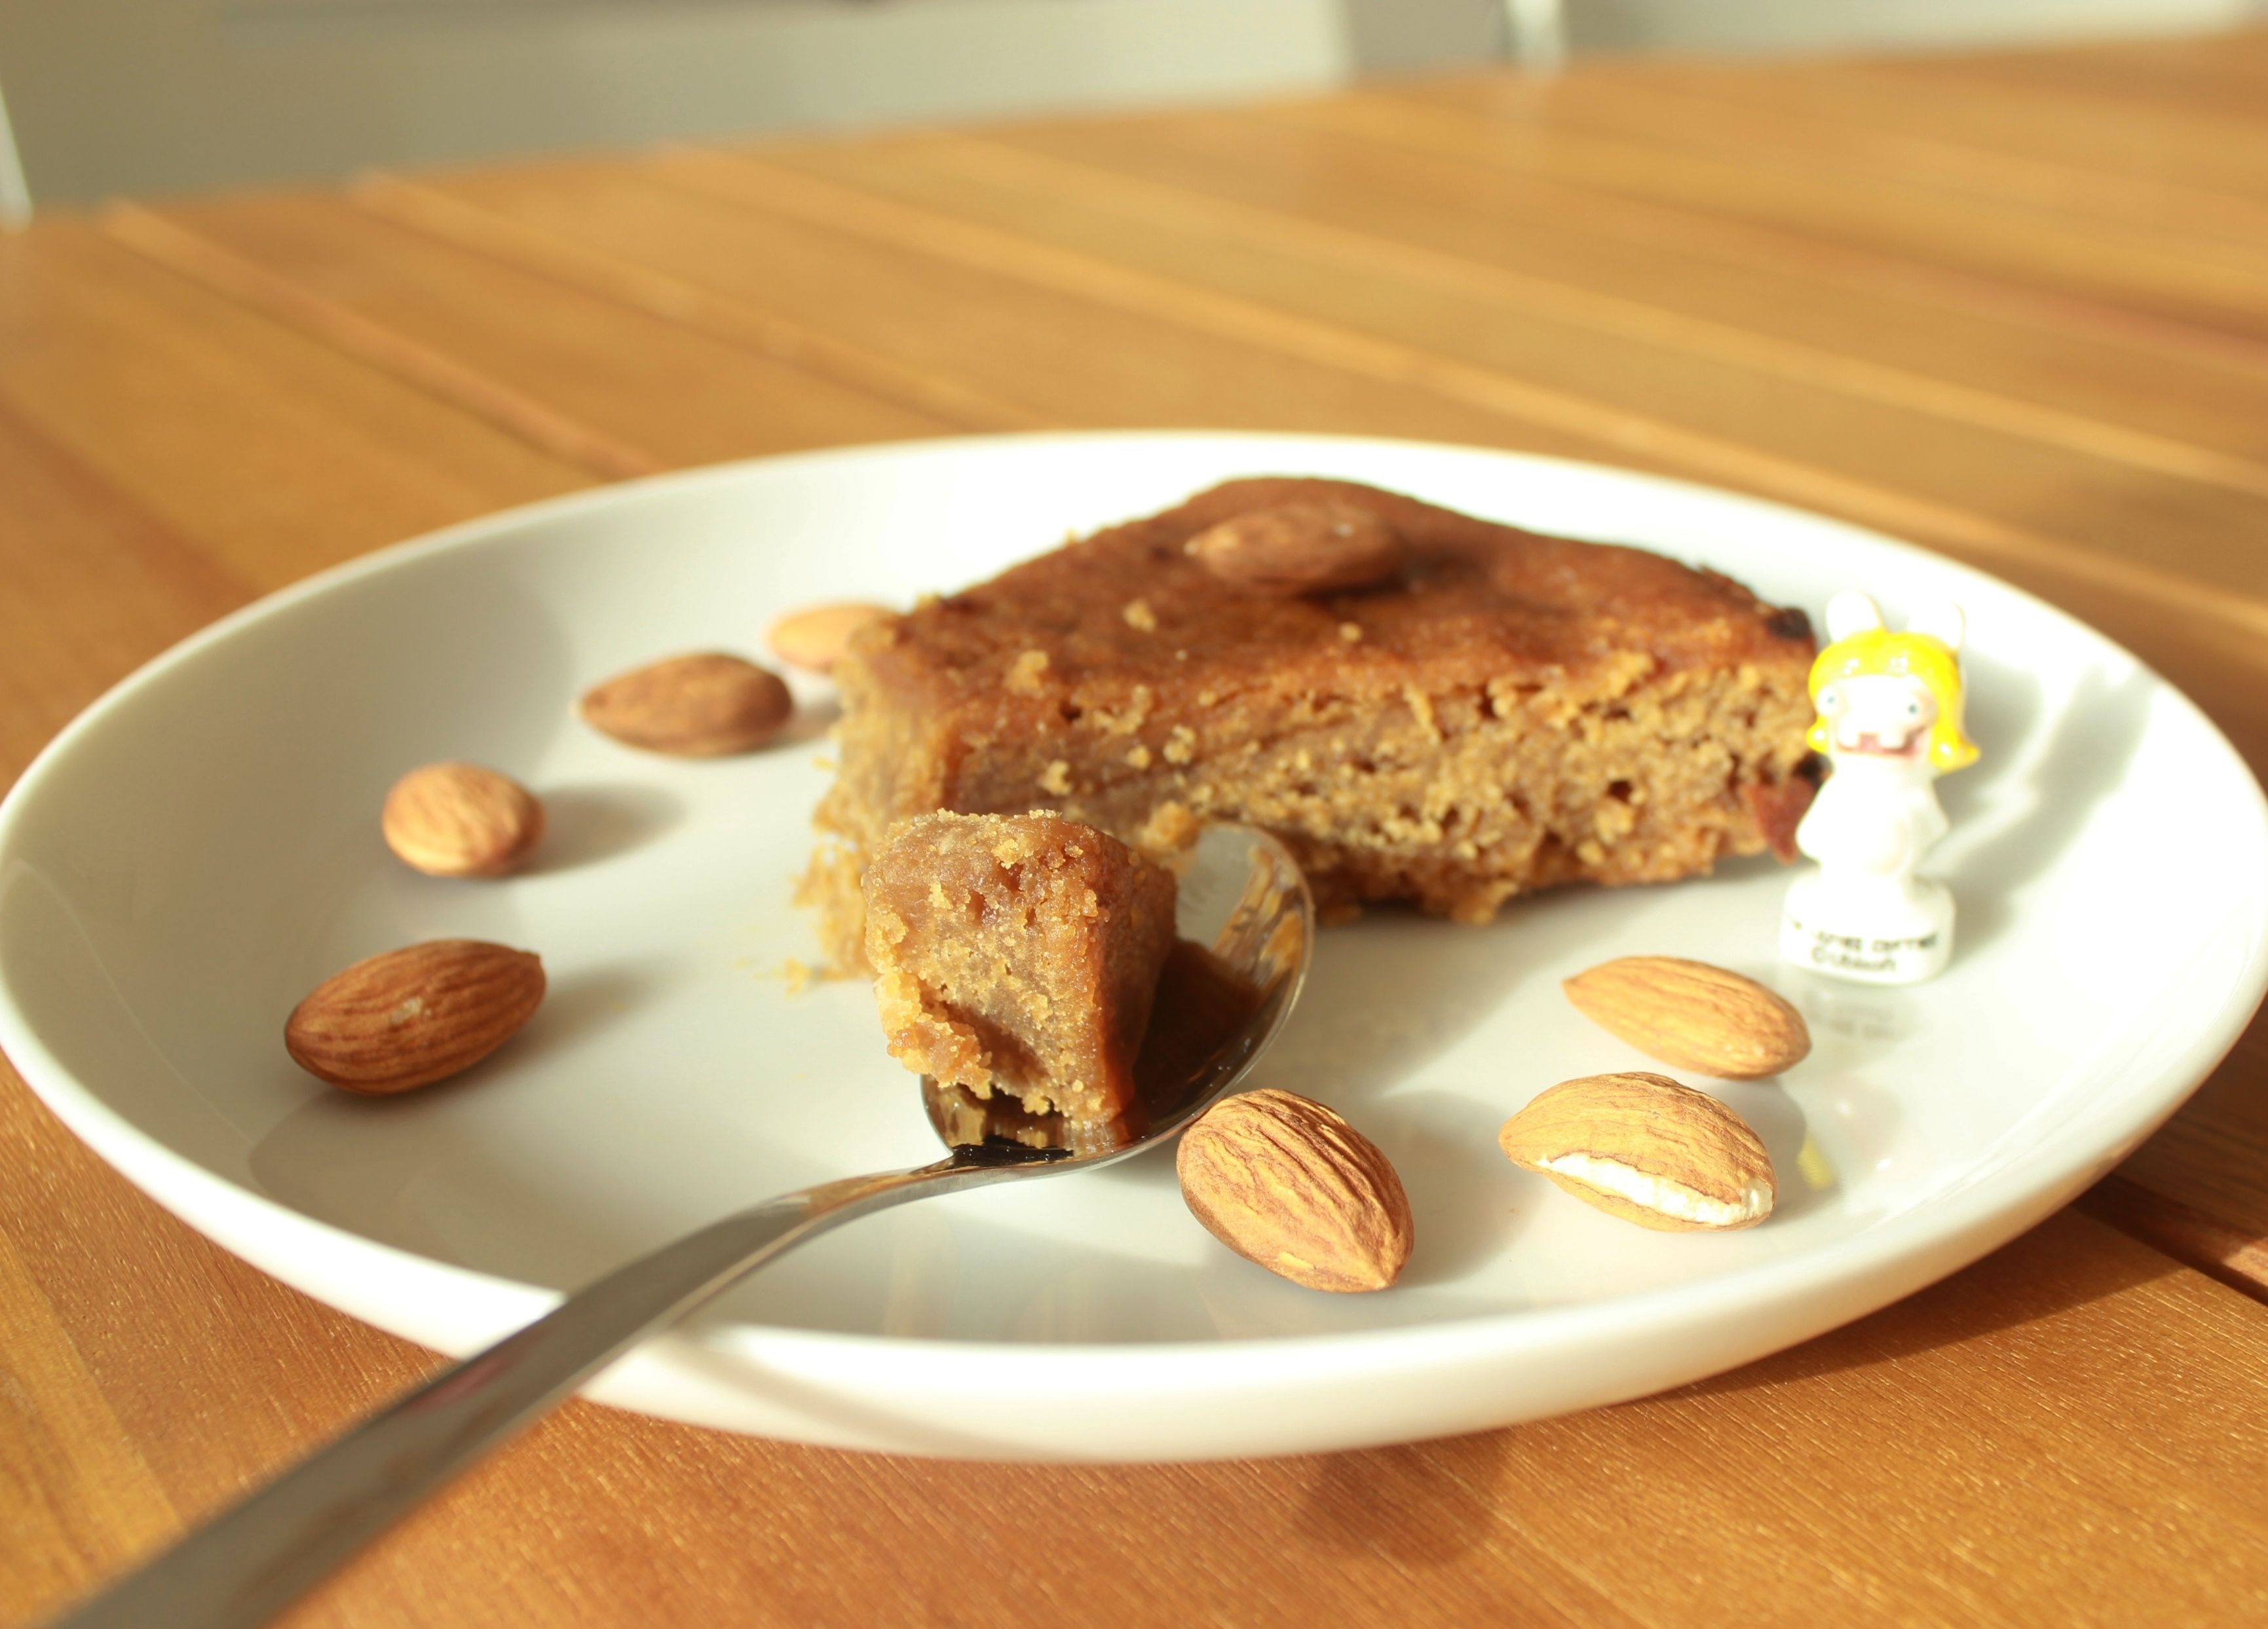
pixel 1019 952
pixel 1496 711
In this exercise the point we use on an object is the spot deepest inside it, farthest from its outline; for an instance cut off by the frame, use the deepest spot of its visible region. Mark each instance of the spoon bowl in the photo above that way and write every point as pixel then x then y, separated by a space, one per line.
pixel 1244 922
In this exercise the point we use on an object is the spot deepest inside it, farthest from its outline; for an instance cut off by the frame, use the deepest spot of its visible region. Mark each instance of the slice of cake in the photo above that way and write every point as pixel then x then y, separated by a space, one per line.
pixel 1018 953
pixel 1495 711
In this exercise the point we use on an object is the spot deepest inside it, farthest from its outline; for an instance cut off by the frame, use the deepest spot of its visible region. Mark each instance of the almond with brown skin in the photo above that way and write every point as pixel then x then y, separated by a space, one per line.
pixel 700 706
pixel 1296 548
pixel 1286 1182
pixel 413 1016
pixel 1691 1015
pixel 814 638
pixel 1647 1149
pixel 460 819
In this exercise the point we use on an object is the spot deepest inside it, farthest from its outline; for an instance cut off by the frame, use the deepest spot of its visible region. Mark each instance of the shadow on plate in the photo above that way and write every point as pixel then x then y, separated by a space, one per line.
pixel 397 1169
pixel 1383 995
pixel 585 824
pixel 1390 992
pixel 2084 761
pixel 578 1006
pixel 811 721
pixel 1465 1196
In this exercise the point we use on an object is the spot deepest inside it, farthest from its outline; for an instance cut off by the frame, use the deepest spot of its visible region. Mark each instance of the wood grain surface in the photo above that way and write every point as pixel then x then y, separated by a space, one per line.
pixel 2012 308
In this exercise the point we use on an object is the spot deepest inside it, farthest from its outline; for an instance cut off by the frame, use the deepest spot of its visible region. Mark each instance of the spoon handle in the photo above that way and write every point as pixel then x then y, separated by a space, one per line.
pixel 248 1564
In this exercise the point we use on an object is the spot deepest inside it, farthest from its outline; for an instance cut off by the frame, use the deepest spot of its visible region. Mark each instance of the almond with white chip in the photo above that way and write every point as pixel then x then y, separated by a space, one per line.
pixel 413 1016
pixel 1645 1148
pixel 1286 1182
pixel 460 820
pixel 1691 1015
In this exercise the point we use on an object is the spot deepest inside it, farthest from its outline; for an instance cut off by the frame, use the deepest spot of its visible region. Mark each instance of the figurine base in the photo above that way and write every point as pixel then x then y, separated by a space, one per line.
pixel 1902 938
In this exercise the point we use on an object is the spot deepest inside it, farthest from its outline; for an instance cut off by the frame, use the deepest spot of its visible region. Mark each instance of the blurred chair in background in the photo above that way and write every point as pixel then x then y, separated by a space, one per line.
pixel 1536 33
pixel 15 192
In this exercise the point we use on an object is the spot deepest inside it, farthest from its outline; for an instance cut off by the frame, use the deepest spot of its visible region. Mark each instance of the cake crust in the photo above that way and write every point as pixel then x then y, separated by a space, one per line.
pixel 1507 710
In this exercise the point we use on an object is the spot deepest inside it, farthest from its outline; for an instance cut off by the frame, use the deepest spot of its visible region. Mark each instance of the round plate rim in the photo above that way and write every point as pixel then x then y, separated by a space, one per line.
pixel 1959 1230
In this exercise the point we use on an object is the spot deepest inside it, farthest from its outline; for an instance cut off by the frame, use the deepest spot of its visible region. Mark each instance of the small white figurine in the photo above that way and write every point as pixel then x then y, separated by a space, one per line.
pixel 1889 722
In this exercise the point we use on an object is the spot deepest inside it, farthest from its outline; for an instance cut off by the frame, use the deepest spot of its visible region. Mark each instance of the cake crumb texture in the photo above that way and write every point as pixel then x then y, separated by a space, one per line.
pixel 1017 952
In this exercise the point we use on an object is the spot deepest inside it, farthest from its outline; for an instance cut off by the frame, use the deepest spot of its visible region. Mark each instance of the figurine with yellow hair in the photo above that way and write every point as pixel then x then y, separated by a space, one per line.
pixel 1890 724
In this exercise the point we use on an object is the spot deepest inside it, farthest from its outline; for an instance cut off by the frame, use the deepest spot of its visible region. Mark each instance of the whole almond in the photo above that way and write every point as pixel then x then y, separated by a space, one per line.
pixel 1645 1148
pixel 815 638
pixel 413 1016
pixel 699 706
pixel 1691 1015
pixel 1296 548
pixel 460 819
pixel 1286 1183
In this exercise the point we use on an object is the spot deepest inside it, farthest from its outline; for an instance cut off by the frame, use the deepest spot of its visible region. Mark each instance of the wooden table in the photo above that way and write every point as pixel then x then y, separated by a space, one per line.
pixel 2014 308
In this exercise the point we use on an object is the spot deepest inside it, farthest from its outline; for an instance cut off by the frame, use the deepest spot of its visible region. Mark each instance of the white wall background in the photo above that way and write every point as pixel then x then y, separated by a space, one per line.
pixel 145 96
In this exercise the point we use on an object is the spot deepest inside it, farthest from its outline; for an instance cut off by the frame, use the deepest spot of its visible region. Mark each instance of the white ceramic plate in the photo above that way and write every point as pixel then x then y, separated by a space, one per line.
pixel 200 848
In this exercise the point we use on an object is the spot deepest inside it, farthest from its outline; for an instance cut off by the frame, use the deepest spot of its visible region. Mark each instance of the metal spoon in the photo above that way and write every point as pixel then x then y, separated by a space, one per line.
pixel 1242 896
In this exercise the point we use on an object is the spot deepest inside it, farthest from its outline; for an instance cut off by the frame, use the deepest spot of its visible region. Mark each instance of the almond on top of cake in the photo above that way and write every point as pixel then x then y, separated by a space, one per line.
pixel 1489 711
pixel 1018 953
